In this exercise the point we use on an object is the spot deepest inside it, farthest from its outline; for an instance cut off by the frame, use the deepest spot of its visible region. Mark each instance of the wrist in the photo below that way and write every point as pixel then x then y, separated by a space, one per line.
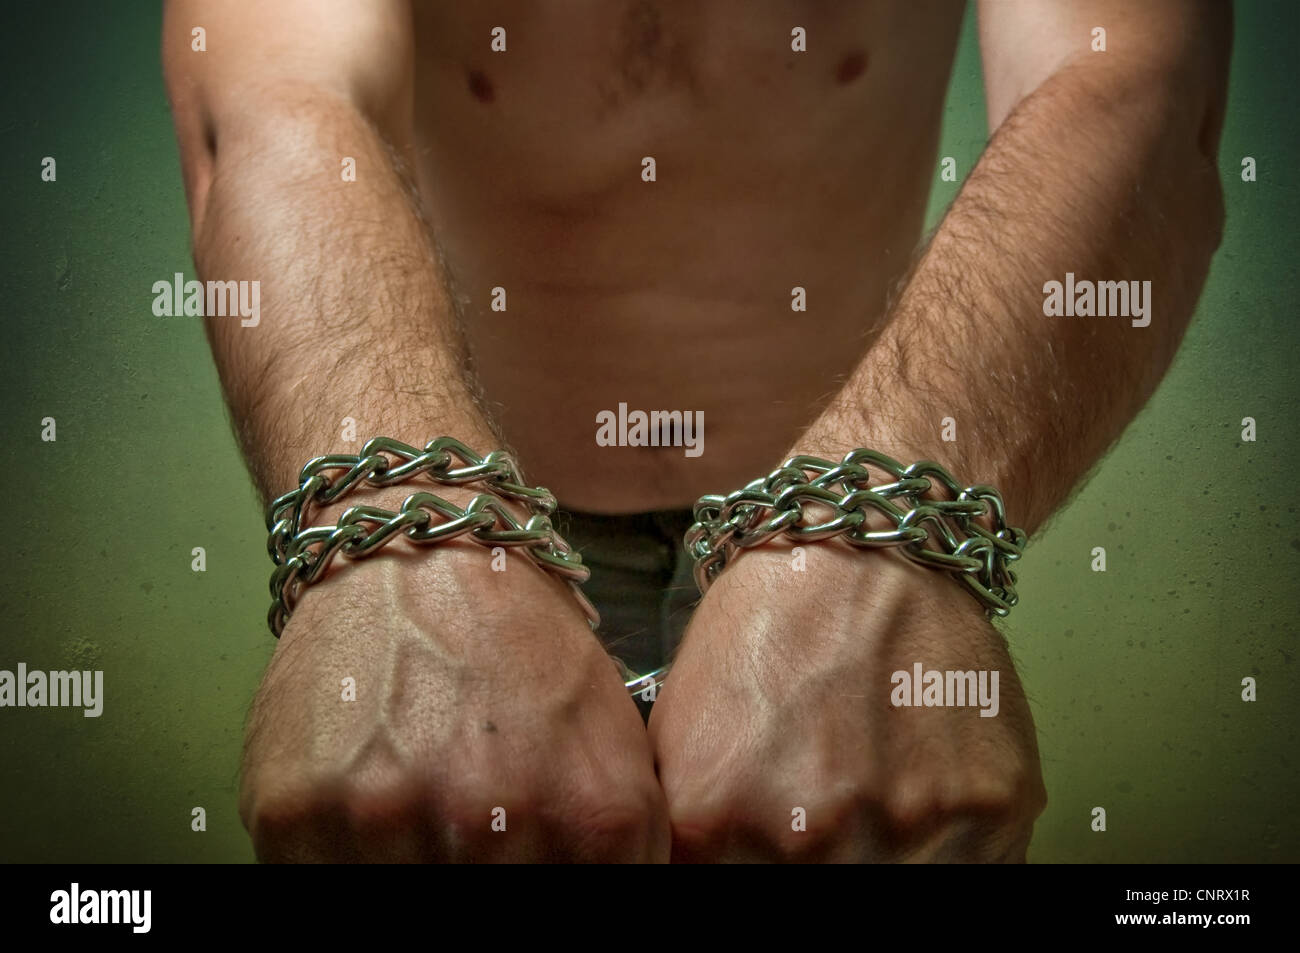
pixel 841 430
pixel 403 567
pixel 844 506
pixel 459 582
pixel 445 496
pixel 879 582
pixel 392 497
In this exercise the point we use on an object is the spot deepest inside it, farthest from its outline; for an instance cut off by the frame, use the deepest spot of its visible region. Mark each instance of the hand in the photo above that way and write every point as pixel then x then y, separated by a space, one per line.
pixel 780 698
pixel 474 690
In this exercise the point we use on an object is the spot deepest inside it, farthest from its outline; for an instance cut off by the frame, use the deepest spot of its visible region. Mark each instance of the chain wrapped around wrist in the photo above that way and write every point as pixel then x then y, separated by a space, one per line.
pixel 302 552
pixel 977 553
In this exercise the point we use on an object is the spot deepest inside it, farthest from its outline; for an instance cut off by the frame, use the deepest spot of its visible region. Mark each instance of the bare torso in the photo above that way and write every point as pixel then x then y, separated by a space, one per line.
pixel 774 169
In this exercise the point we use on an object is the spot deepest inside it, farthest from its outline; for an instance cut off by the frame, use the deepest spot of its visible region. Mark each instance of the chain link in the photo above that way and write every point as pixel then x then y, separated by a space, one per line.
pixel 978 554
pixel 646 685
pixel 302 552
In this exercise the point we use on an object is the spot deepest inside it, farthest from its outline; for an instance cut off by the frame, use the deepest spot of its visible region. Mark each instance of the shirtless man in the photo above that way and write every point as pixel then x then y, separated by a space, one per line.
pixel 775 169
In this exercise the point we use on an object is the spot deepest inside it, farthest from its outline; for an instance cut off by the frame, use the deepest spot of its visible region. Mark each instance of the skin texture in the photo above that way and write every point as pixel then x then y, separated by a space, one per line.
pixel 773 666
pixel 629 291
pixel 779 699
pixel 456 715
pixel 522 171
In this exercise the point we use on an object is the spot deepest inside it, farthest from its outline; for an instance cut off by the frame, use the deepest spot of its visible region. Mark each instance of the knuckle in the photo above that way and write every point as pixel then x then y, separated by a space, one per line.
pixel 847 809
pixel 283 814
pixel 465 816
pixel 995 798
pixel 381 809
pixel 910 808
pixel 608 824
pixel 824 822
pixel 988 800
pixel 915 806
pixel 699 831
pixel 278 813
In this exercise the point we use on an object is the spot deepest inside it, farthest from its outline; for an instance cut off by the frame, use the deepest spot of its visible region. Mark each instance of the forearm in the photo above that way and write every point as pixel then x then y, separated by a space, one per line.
pixel 355 318
pixel 1104 174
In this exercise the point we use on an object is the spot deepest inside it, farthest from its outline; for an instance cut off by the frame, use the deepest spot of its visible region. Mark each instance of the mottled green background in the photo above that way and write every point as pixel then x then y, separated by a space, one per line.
pixel 1134 673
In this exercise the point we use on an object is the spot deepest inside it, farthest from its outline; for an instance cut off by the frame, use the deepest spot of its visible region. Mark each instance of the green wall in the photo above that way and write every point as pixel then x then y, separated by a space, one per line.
pixel 1134 674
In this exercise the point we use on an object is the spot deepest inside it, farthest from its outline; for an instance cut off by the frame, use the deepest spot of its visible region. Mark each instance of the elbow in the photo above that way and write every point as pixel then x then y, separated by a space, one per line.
pixel 1205 180
pixel 1208 70
pixel 1215 211
pixel 197 170
pixel 1182 118
pixel 1195 166
pixel 191 121
pixel 1202 77
pixel 196 144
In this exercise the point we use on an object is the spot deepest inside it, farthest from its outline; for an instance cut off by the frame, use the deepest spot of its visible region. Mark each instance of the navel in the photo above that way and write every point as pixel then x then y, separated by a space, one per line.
pixel 851 67
pixel 480 86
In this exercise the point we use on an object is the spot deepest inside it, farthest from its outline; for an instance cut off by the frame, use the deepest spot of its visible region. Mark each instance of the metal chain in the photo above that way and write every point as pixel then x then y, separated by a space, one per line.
pixel 978 555
pixel 646 685
pixel 302 555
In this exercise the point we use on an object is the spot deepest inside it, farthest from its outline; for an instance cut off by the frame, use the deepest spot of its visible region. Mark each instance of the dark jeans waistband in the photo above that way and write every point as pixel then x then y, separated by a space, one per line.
pixel 641 579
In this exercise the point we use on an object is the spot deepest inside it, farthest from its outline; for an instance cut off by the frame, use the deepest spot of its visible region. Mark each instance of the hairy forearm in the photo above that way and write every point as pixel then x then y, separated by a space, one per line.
pixel 355 321
pixel 1109 178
